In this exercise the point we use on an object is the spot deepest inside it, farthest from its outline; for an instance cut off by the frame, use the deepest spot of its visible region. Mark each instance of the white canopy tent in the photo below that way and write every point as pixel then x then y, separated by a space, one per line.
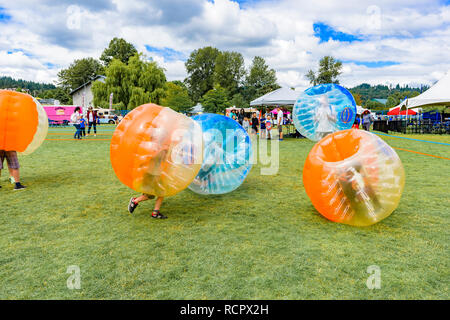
pixel 439 94
pixel 197 109
pixel 279 97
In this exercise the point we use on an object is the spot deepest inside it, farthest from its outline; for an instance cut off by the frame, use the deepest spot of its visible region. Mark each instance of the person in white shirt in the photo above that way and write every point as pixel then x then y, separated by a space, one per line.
pixel 75 118
pixel 280 122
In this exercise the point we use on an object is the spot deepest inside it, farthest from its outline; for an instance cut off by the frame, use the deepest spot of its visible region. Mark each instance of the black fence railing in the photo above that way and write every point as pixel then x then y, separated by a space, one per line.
pixel 412 126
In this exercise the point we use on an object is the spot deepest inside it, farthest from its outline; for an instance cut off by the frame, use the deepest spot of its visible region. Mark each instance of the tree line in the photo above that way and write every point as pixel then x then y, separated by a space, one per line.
pixel 216 79
pixel 31 86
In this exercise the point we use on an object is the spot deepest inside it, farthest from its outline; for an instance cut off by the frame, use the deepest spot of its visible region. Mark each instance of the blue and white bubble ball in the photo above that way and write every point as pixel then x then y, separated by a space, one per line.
pixel 322 110
pixel 227 155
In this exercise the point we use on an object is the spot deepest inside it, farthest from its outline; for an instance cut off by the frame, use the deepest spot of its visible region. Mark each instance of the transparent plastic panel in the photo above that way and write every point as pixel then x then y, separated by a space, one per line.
pixel 41 131
pixel 227 154
pixel 156 151
pixel 23 122
pixel 322 110
pixel 354 177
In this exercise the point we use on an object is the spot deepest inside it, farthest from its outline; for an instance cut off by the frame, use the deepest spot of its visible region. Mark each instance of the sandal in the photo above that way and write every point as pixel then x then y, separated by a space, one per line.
pixel 157 215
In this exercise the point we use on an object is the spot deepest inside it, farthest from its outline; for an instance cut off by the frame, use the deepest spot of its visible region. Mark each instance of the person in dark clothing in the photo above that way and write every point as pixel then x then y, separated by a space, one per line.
pixel 255 124
pixel 92 120
pixel 83 127
pixel 241 116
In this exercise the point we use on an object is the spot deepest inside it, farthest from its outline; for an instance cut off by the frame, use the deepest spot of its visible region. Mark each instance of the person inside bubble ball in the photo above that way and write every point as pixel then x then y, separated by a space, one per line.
pixel 211 163
pixel 325 118
pixel 13 166
pixel 357 188
pixel 153 175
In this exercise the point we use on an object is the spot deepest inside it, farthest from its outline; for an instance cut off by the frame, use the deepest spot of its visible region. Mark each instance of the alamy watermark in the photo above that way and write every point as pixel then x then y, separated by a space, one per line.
pixel 374 280
pixel 74 280
pixel 374 18
pixel 73 17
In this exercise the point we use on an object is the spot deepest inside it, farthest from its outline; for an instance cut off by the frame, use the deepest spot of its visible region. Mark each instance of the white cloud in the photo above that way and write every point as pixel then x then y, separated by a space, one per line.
pixel 413 33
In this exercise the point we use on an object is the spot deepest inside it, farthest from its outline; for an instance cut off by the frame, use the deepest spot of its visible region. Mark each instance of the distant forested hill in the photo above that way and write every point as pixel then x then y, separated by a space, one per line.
pixel 368 92
pixel 8 82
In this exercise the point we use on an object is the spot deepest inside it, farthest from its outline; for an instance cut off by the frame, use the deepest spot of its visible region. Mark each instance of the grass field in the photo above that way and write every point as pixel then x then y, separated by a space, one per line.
pixel 263 241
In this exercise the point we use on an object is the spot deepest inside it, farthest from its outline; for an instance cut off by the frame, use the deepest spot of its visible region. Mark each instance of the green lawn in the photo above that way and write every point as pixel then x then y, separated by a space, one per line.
pixel 263 241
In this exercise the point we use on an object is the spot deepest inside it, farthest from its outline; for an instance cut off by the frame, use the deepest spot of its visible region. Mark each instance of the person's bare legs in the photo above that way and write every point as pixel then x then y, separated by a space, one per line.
pixel 15 174
pixel 143 197
pixel 158 203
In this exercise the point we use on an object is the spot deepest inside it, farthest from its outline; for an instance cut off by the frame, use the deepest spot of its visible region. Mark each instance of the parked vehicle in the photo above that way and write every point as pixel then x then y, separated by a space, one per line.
pixel 107 116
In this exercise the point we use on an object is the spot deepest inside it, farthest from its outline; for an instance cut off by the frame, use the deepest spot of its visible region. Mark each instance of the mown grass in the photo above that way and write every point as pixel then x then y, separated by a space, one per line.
pixel 263 241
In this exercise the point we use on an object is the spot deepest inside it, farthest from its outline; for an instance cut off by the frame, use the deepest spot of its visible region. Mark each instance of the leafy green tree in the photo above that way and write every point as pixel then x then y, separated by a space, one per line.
pixel 329 71
pixel 179 83
pixel 260 80
pixel 59 94
pixel 134 84
pixel 200 68
pixel 79 72
pixel 177 98
pixel 238 101
pixel 118 49
pixel 215 100
pixel 229 71
pixel 374 105
pixel 398 96
pixel 357 98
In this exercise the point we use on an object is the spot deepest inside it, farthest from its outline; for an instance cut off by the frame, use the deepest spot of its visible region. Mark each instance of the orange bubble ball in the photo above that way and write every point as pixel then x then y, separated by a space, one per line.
pixel 354 177
pixel 156 151
pixel 23 122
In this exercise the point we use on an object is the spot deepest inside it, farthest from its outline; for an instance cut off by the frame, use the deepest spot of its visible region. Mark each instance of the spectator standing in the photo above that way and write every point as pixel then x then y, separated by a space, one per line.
pixel 83 127
pixel 269 125
pixel 280 123
pixel 75 119
pixel 241 116
pixel 263 128
pixel 246 124
pixel 366 120
pixel 255 123
pixel 92 120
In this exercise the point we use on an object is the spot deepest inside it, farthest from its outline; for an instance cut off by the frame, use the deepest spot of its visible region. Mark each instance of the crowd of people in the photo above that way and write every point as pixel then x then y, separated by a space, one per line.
pixel 262 122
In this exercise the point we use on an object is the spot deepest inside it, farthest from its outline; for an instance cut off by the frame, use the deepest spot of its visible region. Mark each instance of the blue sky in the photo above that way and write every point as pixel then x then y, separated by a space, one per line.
pixel 326 33
pixel 4 16
pixel 168 54
pixel 378 41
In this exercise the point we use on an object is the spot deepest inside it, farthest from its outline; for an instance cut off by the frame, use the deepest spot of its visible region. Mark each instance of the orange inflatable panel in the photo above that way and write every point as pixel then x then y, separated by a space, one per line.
pixel 354 177
pixel 157 151
pixel 23 122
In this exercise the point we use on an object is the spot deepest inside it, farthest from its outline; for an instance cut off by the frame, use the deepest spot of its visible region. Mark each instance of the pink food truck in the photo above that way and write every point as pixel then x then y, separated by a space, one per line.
pixel 59 114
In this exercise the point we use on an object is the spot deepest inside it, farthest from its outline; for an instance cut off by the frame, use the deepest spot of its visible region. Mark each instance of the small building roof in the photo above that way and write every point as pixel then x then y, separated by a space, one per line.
pixel 98 77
